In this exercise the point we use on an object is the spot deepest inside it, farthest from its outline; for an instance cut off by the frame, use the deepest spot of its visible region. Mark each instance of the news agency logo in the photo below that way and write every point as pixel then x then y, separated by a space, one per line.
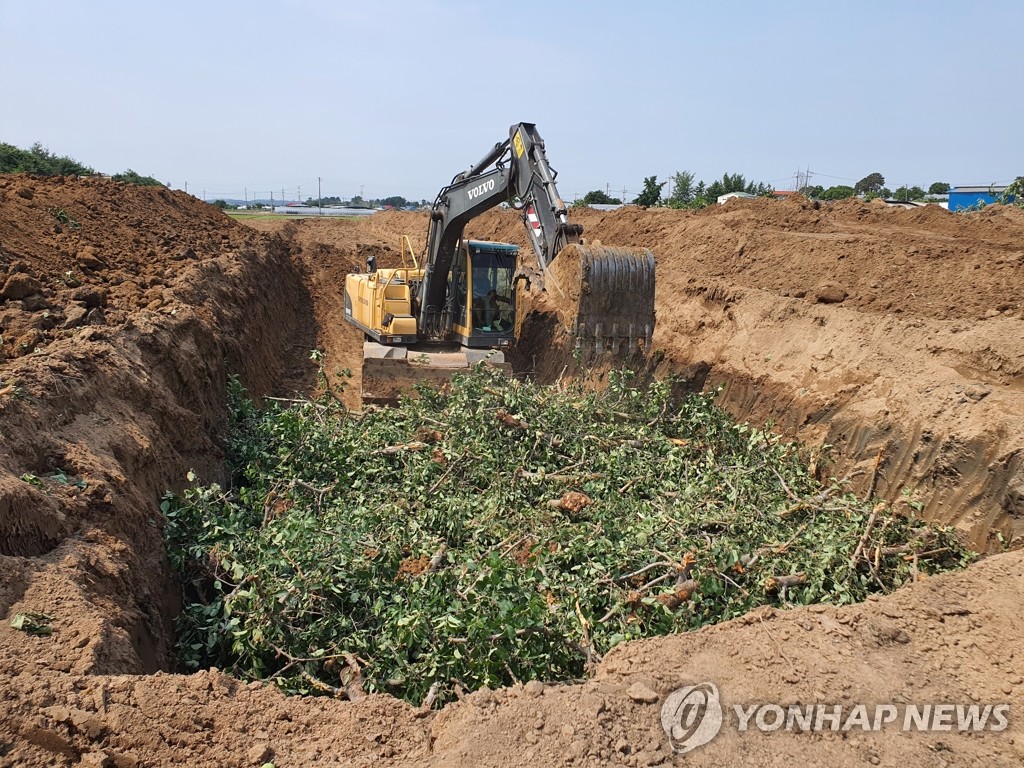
pixel 693 715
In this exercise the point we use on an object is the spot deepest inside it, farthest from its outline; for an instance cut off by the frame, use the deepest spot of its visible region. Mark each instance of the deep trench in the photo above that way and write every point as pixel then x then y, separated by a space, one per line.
pixel 261 323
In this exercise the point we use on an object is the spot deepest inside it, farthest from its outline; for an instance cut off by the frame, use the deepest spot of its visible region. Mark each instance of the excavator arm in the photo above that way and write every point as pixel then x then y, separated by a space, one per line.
pixel 522 177
pixel 456 205
pixel 607 293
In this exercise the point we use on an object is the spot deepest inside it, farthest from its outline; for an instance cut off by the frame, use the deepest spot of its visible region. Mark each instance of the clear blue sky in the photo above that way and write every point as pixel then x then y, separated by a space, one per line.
pixel 396 97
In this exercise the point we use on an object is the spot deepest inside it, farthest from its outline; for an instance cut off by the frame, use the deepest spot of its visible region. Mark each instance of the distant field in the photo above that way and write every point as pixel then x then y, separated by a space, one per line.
pixel 253 215
pixel 258 215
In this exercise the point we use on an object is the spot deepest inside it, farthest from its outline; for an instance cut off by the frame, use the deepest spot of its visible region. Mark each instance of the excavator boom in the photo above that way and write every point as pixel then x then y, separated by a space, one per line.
pixel 605 295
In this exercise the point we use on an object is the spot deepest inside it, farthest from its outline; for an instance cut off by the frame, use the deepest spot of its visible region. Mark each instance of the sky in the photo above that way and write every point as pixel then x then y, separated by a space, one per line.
pixel 395 98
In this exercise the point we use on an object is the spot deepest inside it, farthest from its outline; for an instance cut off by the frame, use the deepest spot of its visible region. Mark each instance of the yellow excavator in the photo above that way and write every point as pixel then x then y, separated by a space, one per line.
pixel 457 304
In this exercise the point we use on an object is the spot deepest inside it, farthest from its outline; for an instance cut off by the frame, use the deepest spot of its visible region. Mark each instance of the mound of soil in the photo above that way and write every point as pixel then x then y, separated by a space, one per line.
pixel 848 325
pixel 141 302
pixel 123 310
pixel 948 639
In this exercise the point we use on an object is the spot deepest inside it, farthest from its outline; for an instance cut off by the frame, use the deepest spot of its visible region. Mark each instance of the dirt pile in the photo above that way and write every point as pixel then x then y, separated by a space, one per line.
pixel 894 335
pixel 926 262
pixel 948 639
pixel 141 300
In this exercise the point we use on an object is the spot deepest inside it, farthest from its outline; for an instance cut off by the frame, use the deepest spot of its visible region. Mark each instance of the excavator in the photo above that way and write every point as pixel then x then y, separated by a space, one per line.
pixel 459 302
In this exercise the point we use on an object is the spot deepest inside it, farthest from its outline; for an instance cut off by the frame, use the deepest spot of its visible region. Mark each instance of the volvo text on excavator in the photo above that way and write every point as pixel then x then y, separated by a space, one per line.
pixel 457 303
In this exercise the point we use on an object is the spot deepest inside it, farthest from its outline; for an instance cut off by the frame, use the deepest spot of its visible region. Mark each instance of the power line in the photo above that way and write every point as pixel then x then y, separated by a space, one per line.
pixel 841 178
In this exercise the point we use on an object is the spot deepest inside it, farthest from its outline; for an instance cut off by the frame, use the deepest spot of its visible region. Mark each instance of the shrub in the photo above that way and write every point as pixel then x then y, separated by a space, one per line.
pixel 502 531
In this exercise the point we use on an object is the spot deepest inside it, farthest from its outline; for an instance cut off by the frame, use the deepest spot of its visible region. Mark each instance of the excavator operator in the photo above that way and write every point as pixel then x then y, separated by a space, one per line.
pixel 492 311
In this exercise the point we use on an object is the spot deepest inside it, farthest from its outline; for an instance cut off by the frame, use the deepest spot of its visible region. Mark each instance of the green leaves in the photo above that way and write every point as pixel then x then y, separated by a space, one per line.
pixel 502 531
pixel 33 623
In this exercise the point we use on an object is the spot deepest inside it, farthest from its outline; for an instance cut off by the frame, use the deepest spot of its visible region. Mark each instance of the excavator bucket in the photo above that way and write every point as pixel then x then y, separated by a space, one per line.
pixel 605 296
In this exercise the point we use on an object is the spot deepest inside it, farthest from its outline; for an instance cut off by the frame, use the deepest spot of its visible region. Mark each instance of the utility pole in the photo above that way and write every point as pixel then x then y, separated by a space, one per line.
pixel 319 197
pixel 204 194
pixel 271 201
pixel 186 187
pixel 246 194
pixel 623 195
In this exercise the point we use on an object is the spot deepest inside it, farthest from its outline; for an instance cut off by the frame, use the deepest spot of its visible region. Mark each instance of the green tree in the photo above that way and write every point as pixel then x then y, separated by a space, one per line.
pixel 870 183
pixel 651 194
pixel 909 193
pixel 682 190
pixel 839 192
pixel 39 161
pixel 736 182
pixel 700 195
pixel 939 188
pixel 598 197
pixel 730 182
pixel 1014 193
pixel 10 158
pixel 812 191
pixel 131 177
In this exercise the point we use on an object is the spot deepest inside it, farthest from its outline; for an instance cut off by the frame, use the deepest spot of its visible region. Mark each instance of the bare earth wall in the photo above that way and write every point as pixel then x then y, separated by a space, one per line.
pixel 122 311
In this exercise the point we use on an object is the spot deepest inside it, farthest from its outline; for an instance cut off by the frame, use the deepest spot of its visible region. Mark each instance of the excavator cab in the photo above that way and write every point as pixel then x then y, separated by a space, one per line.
pixel 483 294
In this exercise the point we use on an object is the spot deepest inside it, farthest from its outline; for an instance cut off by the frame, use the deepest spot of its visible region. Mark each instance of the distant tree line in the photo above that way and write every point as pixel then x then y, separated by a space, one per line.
pixel 395 201
pixel 687 192
pixel 597 197
pixel 37 160
pixel 872 186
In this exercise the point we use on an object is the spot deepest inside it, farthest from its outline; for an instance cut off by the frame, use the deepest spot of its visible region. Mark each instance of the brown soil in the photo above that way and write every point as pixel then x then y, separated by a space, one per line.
pixel 920 368
pixel 895 336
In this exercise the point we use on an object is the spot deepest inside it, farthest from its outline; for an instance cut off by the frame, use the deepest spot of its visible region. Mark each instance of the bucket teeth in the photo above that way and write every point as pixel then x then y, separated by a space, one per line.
pixel 616 299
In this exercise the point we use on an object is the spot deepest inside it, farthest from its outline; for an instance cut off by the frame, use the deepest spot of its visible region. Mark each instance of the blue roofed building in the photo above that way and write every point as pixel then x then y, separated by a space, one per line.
pixel 968 196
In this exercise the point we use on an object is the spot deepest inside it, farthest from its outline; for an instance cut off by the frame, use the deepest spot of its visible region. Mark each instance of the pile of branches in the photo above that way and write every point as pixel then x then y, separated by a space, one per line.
pixel 500 531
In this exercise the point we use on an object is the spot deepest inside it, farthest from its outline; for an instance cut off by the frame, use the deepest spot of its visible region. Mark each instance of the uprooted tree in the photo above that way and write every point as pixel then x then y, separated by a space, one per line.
pixel 501 531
